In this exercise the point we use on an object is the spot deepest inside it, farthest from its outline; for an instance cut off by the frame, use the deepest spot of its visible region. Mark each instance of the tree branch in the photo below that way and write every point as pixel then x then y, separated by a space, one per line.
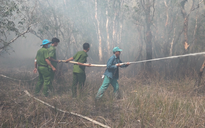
pixel 72 113
pixel 6 45
pixel 153 11
pixel 142 4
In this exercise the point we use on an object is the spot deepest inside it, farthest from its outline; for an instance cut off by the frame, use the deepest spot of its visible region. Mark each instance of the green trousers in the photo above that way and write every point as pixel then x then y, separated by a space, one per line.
pixel 78 78
pixel 43 80
pixel 105 85
pixel 52 78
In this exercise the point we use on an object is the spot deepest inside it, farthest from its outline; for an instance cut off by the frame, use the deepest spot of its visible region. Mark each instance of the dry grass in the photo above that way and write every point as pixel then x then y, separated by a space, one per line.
pixel 144 104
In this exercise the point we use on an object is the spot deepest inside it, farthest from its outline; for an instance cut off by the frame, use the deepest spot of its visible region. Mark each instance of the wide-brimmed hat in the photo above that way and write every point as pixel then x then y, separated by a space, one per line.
pixel 44 42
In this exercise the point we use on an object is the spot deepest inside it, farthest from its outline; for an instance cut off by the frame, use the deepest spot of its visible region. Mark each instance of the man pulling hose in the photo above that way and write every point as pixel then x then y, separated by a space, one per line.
pixel 41 65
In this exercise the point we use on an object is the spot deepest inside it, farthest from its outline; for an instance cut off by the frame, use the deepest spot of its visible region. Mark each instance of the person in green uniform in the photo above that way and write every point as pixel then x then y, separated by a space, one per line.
pixel 52 55
pixel 41 65
pixel 79 75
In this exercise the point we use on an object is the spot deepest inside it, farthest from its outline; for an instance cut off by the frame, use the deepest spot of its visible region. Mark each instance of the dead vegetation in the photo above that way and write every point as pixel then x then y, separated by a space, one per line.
pixel 156 103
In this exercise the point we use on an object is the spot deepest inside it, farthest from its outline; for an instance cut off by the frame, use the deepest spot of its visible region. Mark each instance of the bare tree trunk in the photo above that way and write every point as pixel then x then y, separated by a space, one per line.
pixel 184 61
pixel 117 22
pixel 186 21
pixel 55 19
pixel 98 31
pixel 119 33
pixel 139 57
pixel 186 45
pixel 114 31
pixel 146 6
pixel 198 80
pixel 107 31
pixel 195 30
pixel 167 13
pixel 172 43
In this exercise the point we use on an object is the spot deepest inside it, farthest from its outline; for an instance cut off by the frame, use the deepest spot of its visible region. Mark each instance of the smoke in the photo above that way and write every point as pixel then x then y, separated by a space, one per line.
pixel 21 53
pixel 74 23
pixel 25 47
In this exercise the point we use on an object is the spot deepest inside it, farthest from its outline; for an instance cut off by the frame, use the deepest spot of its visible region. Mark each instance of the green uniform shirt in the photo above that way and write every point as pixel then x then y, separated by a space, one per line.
pixel 81 57
pixel 42 54
pixel 52 54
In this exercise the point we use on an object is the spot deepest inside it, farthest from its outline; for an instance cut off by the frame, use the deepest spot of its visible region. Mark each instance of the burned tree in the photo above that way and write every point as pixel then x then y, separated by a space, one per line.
pixel 147 5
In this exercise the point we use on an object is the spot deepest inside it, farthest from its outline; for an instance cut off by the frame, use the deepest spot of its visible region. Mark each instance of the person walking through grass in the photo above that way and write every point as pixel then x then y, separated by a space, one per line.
pixel 111 74
pixel 52 57
pixel 41 65
pixel 79 75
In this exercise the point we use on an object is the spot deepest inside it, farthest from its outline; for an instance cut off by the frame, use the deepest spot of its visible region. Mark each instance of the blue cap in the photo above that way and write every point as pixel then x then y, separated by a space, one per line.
pixel 44 42
pixel 116 49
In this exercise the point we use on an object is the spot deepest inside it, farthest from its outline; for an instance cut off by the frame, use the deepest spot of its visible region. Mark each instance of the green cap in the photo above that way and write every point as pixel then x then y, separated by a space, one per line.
pixel 116 49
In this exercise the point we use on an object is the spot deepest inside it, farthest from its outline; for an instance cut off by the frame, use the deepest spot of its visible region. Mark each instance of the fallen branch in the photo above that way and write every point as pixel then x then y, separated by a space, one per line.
pixel 1 75
pixel 72 113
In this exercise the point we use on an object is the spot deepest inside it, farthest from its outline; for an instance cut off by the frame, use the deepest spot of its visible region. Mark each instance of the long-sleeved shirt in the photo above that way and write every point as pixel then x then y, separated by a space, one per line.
pixel 112 70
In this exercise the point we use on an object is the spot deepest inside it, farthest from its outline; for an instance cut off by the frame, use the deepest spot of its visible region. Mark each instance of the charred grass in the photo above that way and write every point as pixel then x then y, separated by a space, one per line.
pixel 144 103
